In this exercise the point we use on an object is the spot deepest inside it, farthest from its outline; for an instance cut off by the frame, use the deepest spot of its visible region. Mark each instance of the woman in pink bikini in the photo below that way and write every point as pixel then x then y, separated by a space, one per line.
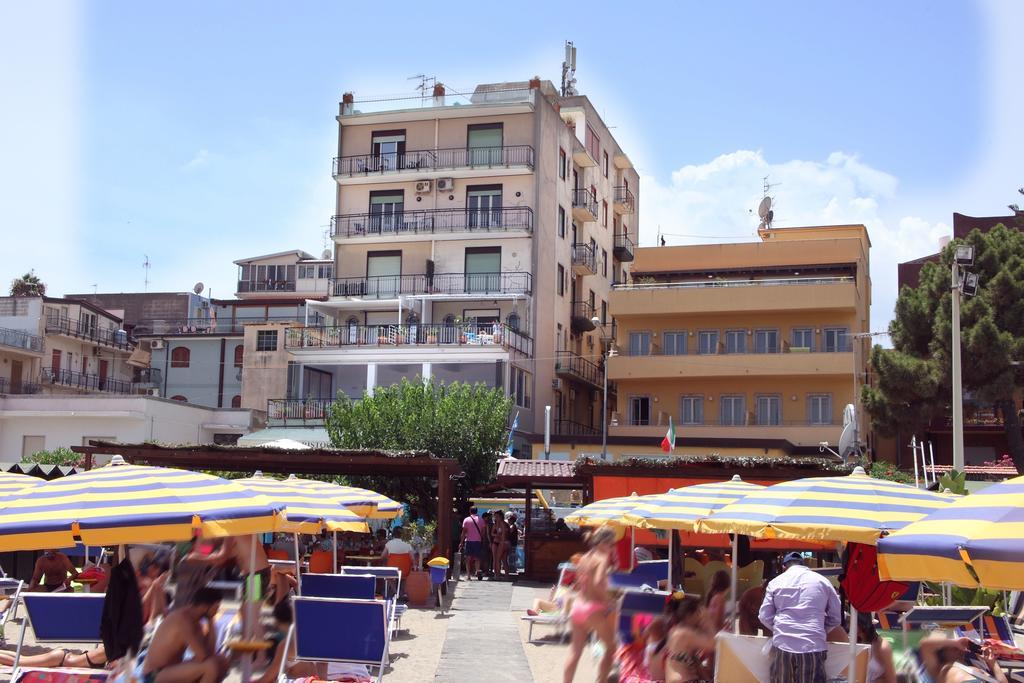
pixel 592 609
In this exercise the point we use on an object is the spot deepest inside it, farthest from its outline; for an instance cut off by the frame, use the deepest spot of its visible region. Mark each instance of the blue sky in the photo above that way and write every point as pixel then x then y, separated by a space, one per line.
pixel 199 133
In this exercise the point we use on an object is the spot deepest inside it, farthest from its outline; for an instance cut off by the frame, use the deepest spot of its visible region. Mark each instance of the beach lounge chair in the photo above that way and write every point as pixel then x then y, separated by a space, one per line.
pixel 636 610
pixel 360 585
pixel 346 631
pixel 563 597
pixel 655 571
pixel 11 609
pixel 60 618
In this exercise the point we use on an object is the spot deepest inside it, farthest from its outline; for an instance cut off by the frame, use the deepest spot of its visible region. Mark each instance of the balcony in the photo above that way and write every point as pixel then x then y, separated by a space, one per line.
pixel 298 411
pixel 79 329
pixel 737 296
pixel 582 316
pixel 573 428
pixel 655 366
pixel 418 334
pixel 571 366
pixel 202 326
pixel 20 340
pixel 468 284
pixel 623 201
pixel 581 156
pixel 584 206
pixel 250 286
pixel 85 381
pixel 799 433
pixel 623 249
pixel 433 163
pixel 430 222
pixel 18 387
pixel 379 286
pixel 584 260
pixel 147 378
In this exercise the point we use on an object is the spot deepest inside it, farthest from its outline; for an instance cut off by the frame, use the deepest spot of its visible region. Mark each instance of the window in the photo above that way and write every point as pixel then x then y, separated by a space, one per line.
pixel 561 222
pixel 639 343
pixel 769 410
pixel 387 151
pixel 266 340
pixel 558 338
pixel 735 341
pixel 604 312
pixel 593 143
pixel 383 275
pixel 819 409
pixel 640 410
pixel 30 445
pixel 239 353
pixel 519 388
pixel 307 272
pixel 766 341
pixel 386 207
pixel 674 343
pixel 560 285
pixel 236 401
pixel 483 206
pixel 180 357
pixel 732 410
pixel 836 339
pixel 562 163
pixel 179 397
pixel 483 144
pixel 483 269
pixel 803 338
pixel 592 300
pixel 325 271
pixel 604 213
pixel 604 163
pixel 691 410
pixel 604 263
pixel 707 342
pixel 55 362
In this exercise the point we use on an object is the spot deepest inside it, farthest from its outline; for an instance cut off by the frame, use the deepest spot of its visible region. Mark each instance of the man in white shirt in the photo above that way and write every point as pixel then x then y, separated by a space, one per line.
pixel 396 546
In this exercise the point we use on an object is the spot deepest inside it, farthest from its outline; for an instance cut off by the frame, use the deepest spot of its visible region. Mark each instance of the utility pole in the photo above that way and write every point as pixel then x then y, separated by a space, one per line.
pixel 958 389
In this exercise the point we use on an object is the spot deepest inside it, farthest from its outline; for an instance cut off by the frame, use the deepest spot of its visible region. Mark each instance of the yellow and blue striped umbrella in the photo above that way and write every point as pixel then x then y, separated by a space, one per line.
pixel 131 504
pixel 681 508
pixel 309 511
pixel 984 530
pixel 854 508
pixel 363 502
pixel 10 482
pixel 607 511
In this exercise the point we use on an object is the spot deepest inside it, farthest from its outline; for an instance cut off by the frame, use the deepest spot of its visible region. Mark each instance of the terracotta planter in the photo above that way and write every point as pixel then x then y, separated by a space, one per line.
pixel 417 588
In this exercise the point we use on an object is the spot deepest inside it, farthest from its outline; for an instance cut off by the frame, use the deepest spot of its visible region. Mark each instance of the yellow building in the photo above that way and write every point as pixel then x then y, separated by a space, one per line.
pixel 751 348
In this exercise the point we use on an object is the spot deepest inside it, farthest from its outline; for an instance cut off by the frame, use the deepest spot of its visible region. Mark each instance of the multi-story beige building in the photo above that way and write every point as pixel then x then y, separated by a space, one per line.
pixel 476 238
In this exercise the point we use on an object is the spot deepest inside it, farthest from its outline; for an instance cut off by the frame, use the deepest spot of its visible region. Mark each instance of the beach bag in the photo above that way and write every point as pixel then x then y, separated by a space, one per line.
pixel 865 591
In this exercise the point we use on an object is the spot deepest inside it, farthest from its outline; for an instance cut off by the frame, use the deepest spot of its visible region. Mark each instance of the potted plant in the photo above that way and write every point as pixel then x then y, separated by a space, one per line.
pixel 417 584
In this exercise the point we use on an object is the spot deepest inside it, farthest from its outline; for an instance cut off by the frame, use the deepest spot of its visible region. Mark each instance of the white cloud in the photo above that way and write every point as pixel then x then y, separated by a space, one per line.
pixel 718 200
pixel 201 158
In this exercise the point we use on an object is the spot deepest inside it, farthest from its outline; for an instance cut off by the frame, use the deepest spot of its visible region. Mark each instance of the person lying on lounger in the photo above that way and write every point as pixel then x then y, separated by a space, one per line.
pixel 283 618
pixel 95 658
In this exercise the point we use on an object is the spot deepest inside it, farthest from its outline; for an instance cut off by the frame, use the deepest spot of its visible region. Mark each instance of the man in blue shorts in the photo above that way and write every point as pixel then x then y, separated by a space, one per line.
pixel 471 542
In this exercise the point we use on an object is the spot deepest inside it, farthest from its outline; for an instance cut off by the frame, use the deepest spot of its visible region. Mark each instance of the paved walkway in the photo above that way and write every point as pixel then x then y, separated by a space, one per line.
pixel 482 643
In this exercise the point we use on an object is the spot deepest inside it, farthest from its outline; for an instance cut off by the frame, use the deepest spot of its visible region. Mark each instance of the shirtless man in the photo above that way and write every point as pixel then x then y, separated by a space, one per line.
pixel 240 550
pixel 180 630
pixel 52 568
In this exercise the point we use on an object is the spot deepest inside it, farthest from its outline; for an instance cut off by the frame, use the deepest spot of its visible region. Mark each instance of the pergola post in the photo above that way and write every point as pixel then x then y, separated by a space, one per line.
pixel 444 511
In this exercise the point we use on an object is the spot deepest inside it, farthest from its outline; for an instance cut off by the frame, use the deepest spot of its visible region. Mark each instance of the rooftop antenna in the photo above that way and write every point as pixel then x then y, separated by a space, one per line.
pixel 325 236
pixel 426 86
pixel 95 287
pixel 569 70
pixel 146 265
pixel 765 209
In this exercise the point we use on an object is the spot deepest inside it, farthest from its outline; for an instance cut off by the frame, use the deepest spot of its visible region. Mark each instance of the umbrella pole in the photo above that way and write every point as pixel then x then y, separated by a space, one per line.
pixel 248 620
pixel 298 565
pixel 852 667
pixel 632 548
pixel 734 586
pixel 335 552
pixel 671 586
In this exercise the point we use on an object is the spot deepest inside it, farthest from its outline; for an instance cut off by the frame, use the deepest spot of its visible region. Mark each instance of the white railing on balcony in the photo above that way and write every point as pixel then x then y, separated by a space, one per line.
pixel 711 284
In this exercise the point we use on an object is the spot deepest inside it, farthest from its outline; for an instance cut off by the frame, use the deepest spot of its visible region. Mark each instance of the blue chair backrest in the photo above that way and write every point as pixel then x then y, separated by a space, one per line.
pixel 329 630
pixel 379 572
pixel 339 586
pixel 653 570
pixel 637 609
pixel 64 617
pixel 624 580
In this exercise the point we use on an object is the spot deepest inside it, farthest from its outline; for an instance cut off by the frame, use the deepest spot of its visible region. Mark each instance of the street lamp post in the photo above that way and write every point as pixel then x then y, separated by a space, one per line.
pixel 961 282
pixel 610 353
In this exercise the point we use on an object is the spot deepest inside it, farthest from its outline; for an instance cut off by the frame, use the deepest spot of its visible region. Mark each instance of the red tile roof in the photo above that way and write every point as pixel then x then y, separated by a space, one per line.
pixel 536 469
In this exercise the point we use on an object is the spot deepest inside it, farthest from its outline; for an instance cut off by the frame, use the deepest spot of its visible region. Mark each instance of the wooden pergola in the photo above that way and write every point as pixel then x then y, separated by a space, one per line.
pixel 295 461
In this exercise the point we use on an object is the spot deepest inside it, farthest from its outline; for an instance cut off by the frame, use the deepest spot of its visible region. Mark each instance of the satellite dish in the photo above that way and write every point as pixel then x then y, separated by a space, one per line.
pixel 326 254
pixel 768 219
pixel 198 289
pixel 764 207
pixel 846 441
pixel 849 414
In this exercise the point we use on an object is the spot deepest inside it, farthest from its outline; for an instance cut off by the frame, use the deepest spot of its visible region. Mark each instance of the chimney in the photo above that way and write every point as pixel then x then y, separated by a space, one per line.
pixel 347 102
pixel 439 94
pixel 535 83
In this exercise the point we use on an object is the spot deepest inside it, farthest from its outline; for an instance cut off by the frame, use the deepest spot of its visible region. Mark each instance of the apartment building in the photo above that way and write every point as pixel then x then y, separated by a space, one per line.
pixel 62 345
pixel 750 348
pixel 476 238
pixel 286 274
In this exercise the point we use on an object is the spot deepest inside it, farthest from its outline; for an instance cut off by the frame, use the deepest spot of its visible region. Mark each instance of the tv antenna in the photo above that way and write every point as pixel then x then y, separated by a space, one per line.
pixel 146 265
pixel 765 209
pixel 426 86
pixel 569 70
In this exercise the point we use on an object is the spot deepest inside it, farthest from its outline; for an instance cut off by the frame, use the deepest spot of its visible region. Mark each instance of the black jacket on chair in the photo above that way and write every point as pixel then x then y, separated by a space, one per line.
pixel 121 626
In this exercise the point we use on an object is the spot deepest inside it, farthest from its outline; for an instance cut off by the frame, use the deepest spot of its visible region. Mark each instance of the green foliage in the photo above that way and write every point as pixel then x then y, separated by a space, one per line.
pixel 955 481
pixel 28 284
pixel 913 379
pixel 58 456
pixel 993 599
pixel 888 471
pixel 457 420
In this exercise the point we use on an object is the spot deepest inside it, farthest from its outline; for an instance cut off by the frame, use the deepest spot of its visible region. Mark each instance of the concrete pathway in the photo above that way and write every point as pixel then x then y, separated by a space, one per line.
pixel 483 642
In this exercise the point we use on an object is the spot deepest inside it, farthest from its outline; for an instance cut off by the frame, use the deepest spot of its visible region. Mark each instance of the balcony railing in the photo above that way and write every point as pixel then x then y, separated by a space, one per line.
pixel 203 325
pixel 712 422
pixel 393 286
pixel 247 286
pixel 417 334
pixel 623 248
pixel 85 381
pixel 654 349
pixel 379 286
pixel 298 410
pixel 18 339
pixel 569 364
pixel 434 221
pixel 148 377
pixel 706 284
pixel 9 387
pixel 583 314
pixel 85 330
pixel 434 160
pixel 584 260
pixel 624 201
pixel 584 201
pixel 573 428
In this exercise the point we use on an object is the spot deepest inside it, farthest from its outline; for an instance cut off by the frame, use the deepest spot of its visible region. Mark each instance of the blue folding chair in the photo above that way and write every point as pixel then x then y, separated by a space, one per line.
pixel 350 586
pixel 391 576
pixel 655 571
pixel 645 604
pixel 629 581
pixel 335 630
pixel 60 618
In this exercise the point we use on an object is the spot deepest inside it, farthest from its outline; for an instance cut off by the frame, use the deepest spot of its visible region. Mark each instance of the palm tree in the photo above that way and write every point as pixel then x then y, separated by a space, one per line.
pixel 28 284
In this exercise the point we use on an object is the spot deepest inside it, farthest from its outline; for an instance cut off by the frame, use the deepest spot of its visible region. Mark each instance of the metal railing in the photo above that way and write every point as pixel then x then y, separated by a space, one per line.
pixel 583 310
pixel 379 286
pixel 425 334
pixel 573 428
pixel 19 339
pixel 623 248
pixel 569 363
pixel 86 381
pixel 9 387
pixel 432 221
pixel 86 330
pixel 266 286
pixel 508 282
pixel 710 284
pixel 203 325
pixel 624 197
pixel 722 349
pixel 583 255
pixel 433 160
pixel 302 410
pixel 583 198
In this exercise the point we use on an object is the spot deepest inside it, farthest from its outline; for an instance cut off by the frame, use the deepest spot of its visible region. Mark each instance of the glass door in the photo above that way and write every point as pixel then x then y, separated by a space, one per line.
pixel 768 410
pixel 483 269
pixel 386 210
pixel 383 275
pixel 483 145
pixel 388 150
pixel 483 207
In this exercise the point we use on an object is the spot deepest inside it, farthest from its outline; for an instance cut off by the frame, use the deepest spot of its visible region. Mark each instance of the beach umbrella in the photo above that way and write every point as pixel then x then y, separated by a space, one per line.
pixel 308 510
pixel 363 502
pixel 123 504
pixel 607 511
pixel 977 540
pixel 11 482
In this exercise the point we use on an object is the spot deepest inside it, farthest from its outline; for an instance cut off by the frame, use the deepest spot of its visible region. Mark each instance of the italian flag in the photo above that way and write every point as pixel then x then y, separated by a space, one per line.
pixel 668 444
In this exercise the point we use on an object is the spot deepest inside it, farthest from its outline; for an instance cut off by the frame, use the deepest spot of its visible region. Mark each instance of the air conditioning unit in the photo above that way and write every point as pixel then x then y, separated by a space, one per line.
pixel 156 344
pixel 556 383
pixel 445 184
pixel 153 392
pixel 424 186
